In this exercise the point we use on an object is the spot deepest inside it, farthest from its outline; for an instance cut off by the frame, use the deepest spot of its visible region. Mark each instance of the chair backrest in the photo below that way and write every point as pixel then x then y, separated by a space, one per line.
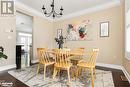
pixel 80 51
pixel 43 56
pixel 94 56
pixel 62 55
pixel 82 48
pixel 91 57
pixel 96 50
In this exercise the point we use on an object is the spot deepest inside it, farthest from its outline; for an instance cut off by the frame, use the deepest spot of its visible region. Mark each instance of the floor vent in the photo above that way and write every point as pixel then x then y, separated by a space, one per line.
pixel 123 78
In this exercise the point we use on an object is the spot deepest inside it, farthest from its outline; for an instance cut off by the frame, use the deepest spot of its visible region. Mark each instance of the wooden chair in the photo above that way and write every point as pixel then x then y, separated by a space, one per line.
pixel 81 48
pixel 43 59
pixel 90 63
pixel 79 51
pixel 62 62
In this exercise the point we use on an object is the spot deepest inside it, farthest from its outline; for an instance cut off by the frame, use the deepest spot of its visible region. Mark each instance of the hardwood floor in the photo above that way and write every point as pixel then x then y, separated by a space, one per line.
pixel 116 77
pixel 4 76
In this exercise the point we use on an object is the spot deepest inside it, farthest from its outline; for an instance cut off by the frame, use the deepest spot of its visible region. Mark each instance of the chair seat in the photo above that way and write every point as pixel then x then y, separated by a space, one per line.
pixel 63 66
pixel 86 64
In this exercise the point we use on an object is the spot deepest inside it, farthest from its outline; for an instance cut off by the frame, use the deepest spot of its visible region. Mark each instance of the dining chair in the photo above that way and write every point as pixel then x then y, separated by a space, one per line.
pixel 89 63
pixel 79 51
pixel 78 54
pixel 43 57
pixel 62 62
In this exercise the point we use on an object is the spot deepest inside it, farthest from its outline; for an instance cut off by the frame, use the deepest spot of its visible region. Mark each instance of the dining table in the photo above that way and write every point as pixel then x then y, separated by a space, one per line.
pixel 74 55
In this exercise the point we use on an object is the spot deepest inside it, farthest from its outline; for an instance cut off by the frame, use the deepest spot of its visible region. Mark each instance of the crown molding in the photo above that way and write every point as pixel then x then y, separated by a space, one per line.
pixel 20 5
pixel 90 10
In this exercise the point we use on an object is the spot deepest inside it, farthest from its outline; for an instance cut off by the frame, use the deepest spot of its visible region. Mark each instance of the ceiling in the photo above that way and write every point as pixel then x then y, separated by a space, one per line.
pixel 70 6
pixel 23 22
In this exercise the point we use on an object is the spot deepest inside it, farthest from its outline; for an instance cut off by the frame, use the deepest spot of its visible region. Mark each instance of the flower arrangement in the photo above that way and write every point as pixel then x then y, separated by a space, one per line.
pixel 2 55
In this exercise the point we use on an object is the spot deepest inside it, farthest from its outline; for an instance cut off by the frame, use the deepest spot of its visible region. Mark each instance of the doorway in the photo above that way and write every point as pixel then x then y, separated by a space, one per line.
pixel 24 29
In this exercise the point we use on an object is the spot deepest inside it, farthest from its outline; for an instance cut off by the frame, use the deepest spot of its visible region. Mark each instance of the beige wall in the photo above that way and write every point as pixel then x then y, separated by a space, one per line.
pixel 110 47
pixel 42 34
pixel 7 39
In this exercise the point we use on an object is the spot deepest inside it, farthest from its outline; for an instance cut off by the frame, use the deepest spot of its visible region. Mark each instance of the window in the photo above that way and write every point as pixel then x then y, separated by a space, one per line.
pixel 127 30
pixel 127 43
pixel 23 40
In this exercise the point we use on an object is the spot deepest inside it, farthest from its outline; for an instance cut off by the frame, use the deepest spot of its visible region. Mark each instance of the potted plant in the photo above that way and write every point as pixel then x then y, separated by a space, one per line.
pixel 2 55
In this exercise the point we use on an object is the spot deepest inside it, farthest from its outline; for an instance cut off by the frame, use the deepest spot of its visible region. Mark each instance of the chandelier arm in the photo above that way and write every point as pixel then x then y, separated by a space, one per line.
pixel 48 14
pixel 58 16
pixel 56 13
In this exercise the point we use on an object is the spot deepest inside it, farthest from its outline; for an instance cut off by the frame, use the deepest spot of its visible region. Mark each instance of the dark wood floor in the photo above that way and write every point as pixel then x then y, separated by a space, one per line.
pixel 4 76
pixel 116 77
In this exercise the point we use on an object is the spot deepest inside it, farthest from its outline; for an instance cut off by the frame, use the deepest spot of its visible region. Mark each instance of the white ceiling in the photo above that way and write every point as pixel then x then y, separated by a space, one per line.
pixel 70 6
pixel 23 22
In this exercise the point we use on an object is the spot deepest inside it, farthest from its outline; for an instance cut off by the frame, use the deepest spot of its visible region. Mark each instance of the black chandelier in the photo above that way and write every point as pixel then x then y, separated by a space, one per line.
pixel 53 13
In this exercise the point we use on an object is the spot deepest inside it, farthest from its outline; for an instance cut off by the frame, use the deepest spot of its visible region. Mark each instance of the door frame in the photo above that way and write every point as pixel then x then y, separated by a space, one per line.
pixel 26 13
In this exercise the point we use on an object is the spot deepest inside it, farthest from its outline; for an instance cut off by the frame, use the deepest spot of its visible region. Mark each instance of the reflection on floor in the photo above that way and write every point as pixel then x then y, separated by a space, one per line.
pixel 25 60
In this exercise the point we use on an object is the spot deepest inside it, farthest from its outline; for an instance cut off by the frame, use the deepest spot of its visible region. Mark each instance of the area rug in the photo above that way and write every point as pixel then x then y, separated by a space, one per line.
pixel 30 78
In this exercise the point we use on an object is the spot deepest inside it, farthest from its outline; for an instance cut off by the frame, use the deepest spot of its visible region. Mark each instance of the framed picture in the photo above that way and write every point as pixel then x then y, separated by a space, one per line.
pixel 59 32
pixel 104 29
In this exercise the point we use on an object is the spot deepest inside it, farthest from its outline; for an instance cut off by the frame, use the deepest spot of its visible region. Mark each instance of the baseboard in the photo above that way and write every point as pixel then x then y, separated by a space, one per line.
pixel 34 61
pixel 126 73
pixel 110 66
pixel 3 68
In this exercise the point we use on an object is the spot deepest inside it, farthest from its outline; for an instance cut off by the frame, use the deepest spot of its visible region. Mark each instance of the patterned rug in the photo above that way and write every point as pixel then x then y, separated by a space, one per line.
pixel 30 78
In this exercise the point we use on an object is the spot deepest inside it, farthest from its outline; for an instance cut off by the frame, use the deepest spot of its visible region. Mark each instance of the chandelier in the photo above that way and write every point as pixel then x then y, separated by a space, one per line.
pixel 53 13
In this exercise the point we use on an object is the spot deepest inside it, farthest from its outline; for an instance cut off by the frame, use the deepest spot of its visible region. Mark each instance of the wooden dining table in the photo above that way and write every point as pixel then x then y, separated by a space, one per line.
pixel 75 56
pixel 71 52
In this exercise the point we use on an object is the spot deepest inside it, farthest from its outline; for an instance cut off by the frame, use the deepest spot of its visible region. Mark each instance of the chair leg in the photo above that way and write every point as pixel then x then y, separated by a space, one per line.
pixel 54 72
pixel 95 73
pixel 38 68
pixel 68 72
pixel 44 71
pixel 92 77
pixel 58 72
pixel 79 71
